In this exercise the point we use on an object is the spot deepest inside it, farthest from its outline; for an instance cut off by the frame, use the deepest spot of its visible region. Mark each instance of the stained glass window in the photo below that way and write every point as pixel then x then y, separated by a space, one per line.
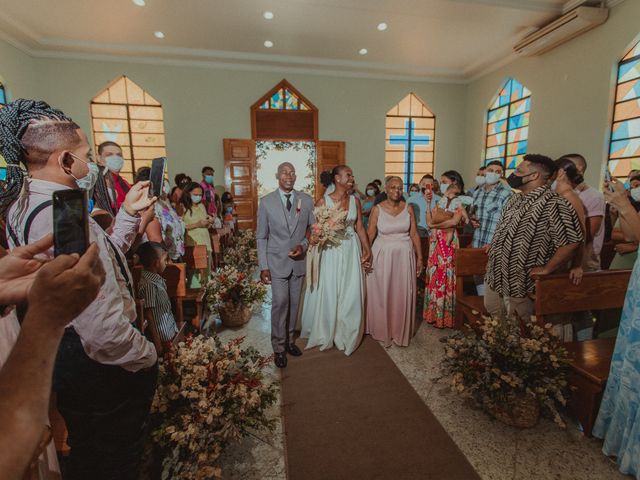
pixel 124 113
pixel 284 99
pixel 624 147
pixel 508 125
pixel 410 140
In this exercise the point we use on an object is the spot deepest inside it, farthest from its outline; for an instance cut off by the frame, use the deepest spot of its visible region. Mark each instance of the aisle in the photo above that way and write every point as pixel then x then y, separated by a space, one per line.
pixel 358 417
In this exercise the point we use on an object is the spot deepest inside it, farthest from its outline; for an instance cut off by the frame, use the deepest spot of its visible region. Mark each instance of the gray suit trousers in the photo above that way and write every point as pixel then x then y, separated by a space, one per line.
pixel 284 309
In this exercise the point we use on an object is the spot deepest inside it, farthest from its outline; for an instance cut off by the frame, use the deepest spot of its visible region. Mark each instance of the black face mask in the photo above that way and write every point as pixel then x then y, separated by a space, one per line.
pixel 515 181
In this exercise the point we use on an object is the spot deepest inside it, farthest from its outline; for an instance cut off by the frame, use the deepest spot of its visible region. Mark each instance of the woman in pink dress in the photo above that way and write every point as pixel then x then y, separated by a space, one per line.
pixel 397 261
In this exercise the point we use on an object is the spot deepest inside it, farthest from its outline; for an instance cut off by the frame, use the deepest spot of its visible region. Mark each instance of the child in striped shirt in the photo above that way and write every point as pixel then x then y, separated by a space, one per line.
pixel 153 290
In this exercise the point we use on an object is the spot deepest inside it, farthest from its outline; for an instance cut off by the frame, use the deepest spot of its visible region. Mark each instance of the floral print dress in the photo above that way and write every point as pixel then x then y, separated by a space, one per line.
pixel 440 293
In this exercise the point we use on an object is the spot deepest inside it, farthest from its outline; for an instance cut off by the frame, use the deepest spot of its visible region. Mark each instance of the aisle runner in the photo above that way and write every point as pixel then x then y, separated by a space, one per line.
pixel 358 418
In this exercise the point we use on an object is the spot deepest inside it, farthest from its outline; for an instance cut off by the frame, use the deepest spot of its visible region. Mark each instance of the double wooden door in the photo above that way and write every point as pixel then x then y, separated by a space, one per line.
pixel 240 173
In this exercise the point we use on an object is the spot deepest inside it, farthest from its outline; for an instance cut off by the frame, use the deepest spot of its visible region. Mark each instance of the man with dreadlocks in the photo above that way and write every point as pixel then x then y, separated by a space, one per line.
pixel 106 371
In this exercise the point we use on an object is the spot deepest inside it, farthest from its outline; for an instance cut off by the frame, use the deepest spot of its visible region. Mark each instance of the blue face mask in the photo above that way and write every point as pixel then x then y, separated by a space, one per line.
pixel 208 179
pixel 196 198
pixel 415 194
pixel 627 185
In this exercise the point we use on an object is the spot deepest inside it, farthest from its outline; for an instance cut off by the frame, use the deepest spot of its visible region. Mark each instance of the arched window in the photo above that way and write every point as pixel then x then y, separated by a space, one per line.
pixel 624 147
pixel 124 113
pixel 508 125
pixel 410 140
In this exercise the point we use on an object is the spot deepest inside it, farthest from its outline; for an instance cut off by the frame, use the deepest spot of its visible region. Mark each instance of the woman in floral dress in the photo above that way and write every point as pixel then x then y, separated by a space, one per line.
pixel 440 293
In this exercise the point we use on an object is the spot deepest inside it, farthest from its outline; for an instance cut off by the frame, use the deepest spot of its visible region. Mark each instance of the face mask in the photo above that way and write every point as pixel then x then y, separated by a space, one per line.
pixel 229 209
pixel 444 187
pixel 196 198
pixel 415 194
pixel 492 178
pixel 89 180
pixel 166 188
pixel 515 181
pixel 114 163
pixel 635 194
pixel 208 179
pixel 554 185
pixel 627 185
pixel 480 180
pixel 371 192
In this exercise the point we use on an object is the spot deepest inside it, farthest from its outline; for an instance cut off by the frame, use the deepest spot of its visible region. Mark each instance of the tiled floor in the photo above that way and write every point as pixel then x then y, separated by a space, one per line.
pixel 496 451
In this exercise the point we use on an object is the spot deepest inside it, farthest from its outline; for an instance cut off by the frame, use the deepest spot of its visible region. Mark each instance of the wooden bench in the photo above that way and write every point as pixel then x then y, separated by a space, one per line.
pixel 469 262
pixel 555 294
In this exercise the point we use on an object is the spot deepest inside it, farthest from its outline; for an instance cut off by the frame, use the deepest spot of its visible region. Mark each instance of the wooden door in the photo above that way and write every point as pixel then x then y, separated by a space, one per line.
pixel 329 155
pixel 240 179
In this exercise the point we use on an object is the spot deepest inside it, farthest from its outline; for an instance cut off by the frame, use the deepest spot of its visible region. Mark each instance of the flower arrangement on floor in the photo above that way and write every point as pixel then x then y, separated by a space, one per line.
pixel 234 294
pixel 512 369
pixel 328 231
pixel 209 395
pixel 243 252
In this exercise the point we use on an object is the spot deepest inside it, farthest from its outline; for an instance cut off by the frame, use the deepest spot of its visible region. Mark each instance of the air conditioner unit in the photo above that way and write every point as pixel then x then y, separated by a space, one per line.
pixel 565 28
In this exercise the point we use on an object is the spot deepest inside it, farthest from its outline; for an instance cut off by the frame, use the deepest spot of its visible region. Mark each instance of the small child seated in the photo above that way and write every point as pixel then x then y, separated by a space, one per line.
pixel 153 290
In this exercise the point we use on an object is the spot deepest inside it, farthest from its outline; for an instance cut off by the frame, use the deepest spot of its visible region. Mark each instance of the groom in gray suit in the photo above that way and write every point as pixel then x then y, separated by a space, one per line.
pixel 284 218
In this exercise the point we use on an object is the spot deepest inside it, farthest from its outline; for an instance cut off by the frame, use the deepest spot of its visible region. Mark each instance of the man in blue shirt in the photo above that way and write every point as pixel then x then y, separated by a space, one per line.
pixel 419 204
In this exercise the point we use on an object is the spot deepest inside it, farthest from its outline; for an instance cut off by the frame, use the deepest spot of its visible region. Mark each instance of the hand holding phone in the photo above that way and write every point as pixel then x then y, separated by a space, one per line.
pixel 70 222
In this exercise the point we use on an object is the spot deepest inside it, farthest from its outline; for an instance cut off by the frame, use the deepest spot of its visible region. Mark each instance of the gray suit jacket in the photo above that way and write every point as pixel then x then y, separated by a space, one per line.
pixel 279 231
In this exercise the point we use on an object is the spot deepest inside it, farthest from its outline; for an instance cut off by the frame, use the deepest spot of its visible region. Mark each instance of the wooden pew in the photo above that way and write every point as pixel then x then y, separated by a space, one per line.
pixel 469 262
pixel 175 276
pixel 555 294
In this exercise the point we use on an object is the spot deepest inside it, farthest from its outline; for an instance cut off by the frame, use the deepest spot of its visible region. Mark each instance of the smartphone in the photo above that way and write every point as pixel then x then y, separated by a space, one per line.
pixel 70 222
pixel 607 179
pixel 157 176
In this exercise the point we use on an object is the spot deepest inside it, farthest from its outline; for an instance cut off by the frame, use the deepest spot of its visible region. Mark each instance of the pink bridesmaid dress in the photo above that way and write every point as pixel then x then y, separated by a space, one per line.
pixel 391 285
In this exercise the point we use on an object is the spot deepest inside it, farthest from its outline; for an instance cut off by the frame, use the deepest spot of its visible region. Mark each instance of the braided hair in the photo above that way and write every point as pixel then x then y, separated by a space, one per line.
pixel 15 119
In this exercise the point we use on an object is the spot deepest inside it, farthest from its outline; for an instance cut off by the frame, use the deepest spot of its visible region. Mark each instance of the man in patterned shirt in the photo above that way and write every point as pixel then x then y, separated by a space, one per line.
pixel 488 200
pixel 537 234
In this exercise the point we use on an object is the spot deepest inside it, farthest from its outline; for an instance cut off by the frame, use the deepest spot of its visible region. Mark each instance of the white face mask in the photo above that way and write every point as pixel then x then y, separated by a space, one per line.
pixel 371 192
pixel 480 180
pixel 491 178
pixel 89 180
pixel 635 194
pixel 444 187
pixel 114 163
pixel 554 185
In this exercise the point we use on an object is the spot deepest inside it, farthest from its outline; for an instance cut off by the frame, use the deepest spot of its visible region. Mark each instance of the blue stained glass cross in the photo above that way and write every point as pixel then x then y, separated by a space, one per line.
pixel 409 141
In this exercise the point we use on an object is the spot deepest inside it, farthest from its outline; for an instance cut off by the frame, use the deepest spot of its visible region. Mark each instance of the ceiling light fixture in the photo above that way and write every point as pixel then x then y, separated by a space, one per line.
pixel 140 3
pixel 382 26
pixel 158 35
pixel 363 51
pixel 268 15
pixel 268 43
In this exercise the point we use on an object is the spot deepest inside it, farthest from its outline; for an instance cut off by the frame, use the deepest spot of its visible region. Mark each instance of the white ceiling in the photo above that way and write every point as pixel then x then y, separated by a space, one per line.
pixel 448 40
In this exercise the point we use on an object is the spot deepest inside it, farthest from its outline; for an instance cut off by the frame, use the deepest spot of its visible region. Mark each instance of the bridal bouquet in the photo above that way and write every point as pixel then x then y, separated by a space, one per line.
pixel 328 231
pixel 330 225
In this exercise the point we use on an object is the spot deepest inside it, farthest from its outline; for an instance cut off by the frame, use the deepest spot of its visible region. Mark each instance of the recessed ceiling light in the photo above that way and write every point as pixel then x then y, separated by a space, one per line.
pixel 140 3
pixel 382 26
pixel 268 15
pixel 268 43
pixel 363 51
pixel 158 34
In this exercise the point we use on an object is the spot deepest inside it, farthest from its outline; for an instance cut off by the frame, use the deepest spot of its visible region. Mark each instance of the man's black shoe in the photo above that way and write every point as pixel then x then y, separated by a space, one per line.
pixel 294 350
pixel 280 359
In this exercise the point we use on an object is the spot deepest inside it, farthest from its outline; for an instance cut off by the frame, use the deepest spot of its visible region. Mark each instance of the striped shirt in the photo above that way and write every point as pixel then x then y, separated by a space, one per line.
pixel 153 290
pixel 532 228
pixel 489 207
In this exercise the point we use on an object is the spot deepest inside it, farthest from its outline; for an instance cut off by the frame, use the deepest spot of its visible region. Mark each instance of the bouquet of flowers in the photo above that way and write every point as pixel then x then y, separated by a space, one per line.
pixel 503 363
pixel 208 396
pixel 330 225
pixel 328 231
pixel 242 253
pixel 230 285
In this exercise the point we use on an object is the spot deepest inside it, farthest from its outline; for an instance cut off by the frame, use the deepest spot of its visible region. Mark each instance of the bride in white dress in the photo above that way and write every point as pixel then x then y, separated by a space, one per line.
pixel 333 312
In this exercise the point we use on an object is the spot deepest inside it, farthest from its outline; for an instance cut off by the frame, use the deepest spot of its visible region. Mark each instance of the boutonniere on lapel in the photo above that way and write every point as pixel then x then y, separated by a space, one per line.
pixel 298 206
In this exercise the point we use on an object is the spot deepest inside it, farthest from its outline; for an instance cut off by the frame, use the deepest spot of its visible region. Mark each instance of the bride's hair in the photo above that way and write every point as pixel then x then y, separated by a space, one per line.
pixel 326 178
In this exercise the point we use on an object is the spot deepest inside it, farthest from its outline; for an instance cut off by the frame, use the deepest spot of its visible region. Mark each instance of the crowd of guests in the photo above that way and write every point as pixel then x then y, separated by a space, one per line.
pixel 69 323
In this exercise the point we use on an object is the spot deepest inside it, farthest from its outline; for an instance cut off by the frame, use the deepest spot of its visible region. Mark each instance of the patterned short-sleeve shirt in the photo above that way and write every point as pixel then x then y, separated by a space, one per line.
pixel 489 206
pixel 532 228
pixel 153 290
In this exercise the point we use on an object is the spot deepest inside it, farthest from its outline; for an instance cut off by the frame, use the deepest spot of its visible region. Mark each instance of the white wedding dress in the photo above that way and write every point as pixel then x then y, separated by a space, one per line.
pixel 333 313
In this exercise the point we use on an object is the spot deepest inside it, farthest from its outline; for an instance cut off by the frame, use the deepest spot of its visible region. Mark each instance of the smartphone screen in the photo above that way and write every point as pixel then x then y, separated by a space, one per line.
pixel 157 176
pixel 70 222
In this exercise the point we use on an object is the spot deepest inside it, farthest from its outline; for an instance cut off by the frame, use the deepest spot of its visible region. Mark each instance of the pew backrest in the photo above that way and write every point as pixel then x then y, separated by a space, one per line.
pixel 470 261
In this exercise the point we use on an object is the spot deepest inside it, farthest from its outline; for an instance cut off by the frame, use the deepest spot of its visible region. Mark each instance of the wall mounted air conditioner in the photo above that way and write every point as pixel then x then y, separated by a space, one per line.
pixel 568 26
